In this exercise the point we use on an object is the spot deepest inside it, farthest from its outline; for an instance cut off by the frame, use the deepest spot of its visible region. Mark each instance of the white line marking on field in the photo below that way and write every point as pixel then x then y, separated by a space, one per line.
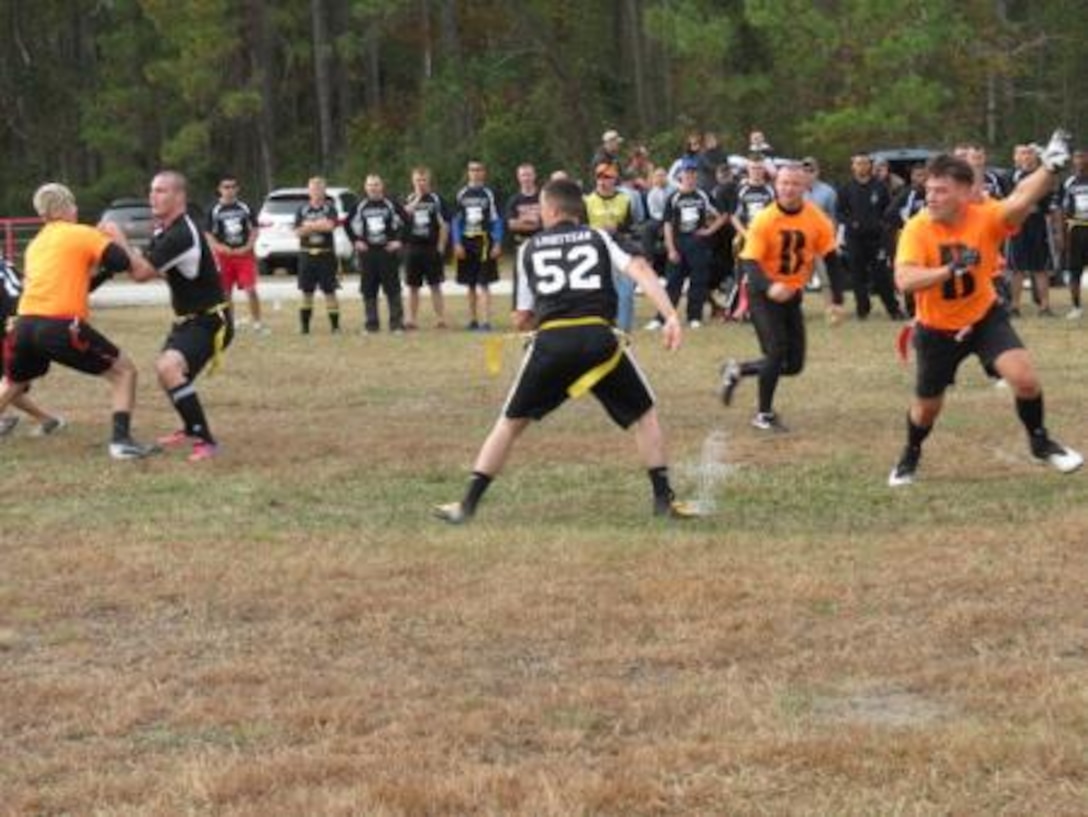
pixel 712 469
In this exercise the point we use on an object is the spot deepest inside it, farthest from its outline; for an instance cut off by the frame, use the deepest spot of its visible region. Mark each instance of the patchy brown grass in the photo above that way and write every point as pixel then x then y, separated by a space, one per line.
pixel 286 632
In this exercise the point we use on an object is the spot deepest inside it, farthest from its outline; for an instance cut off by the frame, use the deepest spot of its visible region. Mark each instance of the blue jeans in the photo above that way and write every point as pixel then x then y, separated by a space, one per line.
pixel 625 302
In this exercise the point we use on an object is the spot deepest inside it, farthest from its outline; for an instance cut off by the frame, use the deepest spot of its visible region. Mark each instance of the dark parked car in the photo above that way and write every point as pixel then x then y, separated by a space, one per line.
pixel 133 216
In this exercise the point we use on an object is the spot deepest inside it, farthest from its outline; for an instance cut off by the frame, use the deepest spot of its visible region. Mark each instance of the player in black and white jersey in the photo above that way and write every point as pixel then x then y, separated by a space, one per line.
pixel 477 231
pixel 1075 215
pixel 691 221
pixel 425 246
pixel 232 232
pixel 11 287
pixel 374 226
pixel 203 325
pixel 754 194
pixel 564 287
pixel 315 226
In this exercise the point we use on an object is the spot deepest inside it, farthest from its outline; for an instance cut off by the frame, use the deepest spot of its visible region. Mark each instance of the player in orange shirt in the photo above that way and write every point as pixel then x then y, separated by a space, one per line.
pixel 782 245
pixel 64 262
pixel 947 256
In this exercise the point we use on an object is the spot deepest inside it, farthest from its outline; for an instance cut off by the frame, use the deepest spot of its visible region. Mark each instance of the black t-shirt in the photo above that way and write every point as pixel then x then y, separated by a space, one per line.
pixel 688 212
pixel 751 200
pixel 567 271
pixel 375 221
pixel 307 213
pixel 181 252
pixel 862 206
pixel 1075 198
pixel 425 216
pixel 519 206
pixel 231 224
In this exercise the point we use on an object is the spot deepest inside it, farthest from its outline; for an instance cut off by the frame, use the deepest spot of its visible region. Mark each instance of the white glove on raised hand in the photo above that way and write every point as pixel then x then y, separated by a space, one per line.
pixel 1055 156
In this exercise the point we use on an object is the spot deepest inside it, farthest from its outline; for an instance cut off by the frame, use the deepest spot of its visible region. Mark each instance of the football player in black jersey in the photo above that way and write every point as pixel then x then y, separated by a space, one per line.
pixel 203 326
pixel 564 288
pixel 315 225
pixel 425 247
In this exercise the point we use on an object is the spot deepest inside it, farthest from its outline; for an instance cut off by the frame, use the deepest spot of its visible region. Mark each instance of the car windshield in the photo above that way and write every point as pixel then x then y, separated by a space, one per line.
pixel 284 205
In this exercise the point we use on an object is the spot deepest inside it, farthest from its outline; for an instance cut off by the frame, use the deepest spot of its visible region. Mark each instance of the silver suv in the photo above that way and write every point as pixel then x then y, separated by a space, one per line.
pixel 277 245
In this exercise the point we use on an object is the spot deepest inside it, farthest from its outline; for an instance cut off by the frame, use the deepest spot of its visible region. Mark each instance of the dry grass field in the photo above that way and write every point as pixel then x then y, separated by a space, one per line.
pixel 285 631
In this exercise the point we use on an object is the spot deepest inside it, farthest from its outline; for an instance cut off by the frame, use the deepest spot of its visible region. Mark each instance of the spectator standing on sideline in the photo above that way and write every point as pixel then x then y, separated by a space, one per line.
pixel 608 152
pixel 824 196
pixel 862 203
pixel 426 238
pixel 1029 249
pixel 783 242
pixel 1075 212
pixel 203 324
pixel 477 244
pixel 315 223
pixel 375 227
pixel 232 232
pixel 692 155
pixel 947 256
pixel 65 261
pixel 722 260
pixel 564 287
pixel 523 208
pixel 657 199
pixel 691 221
pixel 11 287
pixel 610 210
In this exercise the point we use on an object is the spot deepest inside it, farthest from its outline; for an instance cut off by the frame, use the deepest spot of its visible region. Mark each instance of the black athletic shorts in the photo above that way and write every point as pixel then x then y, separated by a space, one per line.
pixel 1077 258
pixel 1029 250
pixel 558 357
pixel 34 343
pixel 318 271
pixel 195 338
pixel 477 268
pixel 423 265
pixel 940 353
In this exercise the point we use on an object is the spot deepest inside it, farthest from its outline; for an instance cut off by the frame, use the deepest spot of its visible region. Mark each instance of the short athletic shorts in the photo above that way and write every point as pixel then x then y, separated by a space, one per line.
pixel 939 353
pixel 476 268
pixel 318 272
pixel 558 357
pixel 35 343
pixel 423 265
pixel 195 338
pixel 237 271
pixel 1029 250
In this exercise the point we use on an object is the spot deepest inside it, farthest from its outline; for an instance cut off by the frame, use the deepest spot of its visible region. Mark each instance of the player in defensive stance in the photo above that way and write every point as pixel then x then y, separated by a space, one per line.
pixel 946 257
pixel 780 251
pixel 564 286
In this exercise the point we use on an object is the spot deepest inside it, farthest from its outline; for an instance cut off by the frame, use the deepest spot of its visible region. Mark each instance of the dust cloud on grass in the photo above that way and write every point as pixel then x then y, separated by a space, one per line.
pixel 286 631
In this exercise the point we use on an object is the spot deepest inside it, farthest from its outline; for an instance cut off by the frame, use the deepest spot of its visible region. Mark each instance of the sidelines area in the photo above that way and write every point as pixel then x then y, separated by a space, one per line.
pixel 125 293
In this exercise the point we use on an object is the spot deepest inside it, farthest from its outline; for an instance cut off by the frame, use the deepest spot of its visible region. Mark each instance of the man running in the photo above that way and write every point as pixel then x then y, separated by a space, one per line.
pixel 946 258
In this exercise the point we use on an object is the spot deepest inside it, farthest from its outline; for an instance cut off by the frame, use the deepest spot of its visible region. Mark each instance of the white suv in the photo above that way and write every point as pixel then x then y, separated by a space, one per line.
pixel 277 244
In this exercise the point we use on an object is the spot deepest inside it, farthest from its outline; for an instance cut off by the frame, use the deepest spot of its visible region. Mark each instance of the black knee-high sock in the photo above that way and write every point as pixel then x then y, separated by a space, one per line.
pixel 304 315
pixel 1030 412
pixel 477 485
pixel 187 405
pixel 659 479
pixel 122 421
pixel 334 318
pixel 916 435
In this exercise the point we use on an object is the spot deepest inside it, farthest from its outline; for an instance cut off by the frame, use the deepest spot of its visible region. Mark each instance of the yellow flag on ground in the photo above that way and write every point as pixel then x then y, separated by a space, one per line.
pixel 493 354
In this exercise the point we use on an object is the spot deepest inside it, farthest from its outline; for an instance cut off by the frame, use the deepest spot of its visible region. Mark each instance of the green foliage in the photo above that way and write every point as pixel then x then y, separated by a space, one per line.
pixel 102 94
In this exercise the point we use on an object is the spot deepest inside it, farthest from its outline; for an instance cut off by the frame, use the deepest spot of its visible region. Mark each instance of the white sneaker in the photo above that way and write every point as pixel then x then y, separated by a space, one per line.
pixel 132 450
pixel 695 324
pixel 653 325
pixel 49 426
pixel 1074 314
pixel 453 512
pixel 8 423
pixel 769 421
pixel 1057 456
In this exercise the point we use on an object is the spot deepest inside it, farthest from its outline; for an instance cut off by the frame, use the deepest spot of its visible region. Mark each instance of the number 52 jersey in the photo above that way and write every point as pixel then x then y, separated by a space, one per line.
pixel 567 271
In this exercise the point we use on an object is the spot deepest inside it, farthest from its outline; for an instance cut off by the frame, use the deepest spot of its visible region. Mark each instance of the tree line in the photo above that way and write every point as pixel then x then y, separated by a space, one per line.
pixel 100 93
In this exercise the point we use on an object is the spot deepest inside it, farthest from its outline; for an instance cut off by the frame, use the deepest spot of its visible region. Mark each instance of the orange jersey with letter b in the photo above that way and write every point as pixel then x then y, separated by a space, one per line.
pixel 786 245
